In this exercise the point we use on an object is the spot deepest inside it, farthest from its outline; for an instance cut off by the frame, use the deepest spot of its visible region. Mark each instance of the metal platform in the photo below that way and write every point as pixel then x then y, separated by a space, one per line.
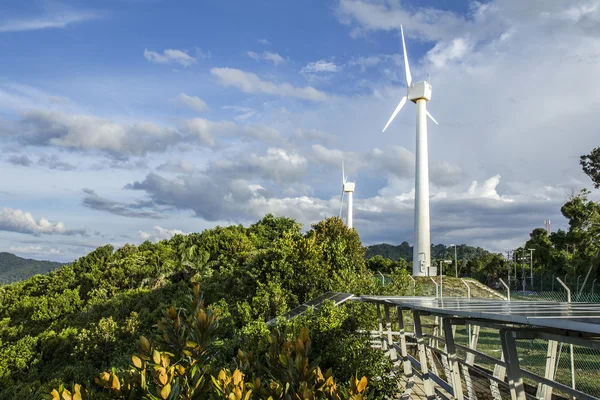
pixel 582 317
pixel 444 368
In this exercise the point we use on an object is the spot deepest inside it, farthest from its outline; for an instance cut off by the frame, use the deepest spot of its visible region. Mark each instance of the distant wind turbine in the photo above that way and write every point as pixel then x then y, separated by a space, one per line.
pixel 347 187
pixel 419 93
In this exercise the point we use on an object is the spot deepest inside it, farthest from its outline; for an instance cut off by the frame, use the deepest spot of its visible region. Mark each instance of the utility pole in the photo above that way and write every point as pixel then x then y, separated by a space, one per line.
pixel 455 261
pixel 531 266
pixel 523 264
pixel 508 262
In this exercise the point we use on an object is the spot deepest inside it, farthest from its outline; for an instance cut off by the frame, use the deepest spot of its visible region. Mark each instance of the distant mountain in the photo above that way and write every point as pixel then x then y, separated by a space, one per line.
pixel 405 251
pixel 14 268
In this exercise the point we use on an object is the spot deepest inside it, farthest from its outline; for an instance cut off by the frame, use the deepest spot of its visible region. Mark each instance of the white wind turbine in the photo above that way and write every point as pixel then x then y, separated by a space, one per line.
pixel 419 93
pixel 347 187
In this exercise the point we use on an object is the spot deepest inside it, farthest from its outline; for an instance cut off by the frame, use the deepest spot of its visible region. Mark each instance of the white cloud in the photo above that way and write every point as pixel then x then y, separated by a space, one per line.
pixel 205 131
pixel 177 167
pixel 332 157
pixel 33 250
pixel 443 52
pixel 430 23
pixel 203 55
pixel 264 41
pixel 244 113
pixel 486 190
pixel 251 83
pixel 91 133
pixel 313 135
pixel 193 102
pixel 170 56
pixel 319 66
pixel 16 220
pixel 267 56
pixel 50 21
pixel 280 165
pixel 159 233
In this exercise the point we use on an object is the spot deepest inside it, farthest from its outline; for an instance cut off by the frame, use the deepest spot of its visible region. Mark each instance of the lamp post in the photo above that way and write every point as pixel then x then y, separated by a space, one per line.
pixel 508 263
pixel 531 266
pixel 523 266
pixel 455 261
pixel 442 262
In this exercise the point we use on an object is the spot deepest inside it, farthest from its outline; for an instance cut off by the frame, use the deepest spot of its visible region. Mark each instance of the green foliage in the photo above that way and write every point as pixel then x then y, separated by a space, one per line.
pixel 405 252
pixel 590 163
pixel 378 264
pixel 14 268
pixel 85 317
pixel 177 365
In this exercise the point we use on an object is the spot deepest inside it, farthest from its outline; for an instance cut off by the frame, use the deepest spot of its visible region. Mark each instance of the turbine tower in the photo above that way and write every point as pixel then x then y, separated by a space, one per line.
pixel 347 187
pixel 419 93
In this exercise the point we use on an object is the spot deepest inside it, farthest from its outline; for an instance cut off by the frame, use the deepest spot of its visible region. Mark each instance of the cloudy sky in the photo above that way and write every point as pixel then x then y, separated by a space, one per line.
pixel 128 120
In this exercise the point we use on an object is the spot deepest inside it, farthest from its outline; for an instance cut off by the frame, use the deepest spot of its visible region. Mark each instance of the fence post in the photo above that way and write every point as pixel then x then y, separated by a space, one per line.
pixel 570 346
pixel 390 338
pixel 577 291
pixel 468 288
pixel 436 286
pixel 507 288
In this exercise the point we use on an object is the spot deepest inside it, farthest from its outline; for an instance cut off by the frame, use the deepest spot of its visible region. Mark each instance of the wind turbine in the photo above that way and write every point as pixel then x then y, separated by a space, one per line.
pixel 419 93
pixel 347 187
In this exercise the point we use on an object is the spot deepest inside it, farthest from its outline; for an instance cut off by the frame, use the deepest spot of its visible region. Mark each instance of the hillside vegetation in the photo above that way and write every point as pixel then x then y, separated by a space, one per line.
pixel 439 251
pixel 85 318
pixel 14 268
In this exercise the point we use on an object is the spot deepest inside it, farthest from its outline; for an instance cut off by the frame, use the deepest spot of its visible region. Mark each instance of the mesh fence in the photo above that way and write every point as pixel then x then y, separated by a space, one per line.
pixel 533 353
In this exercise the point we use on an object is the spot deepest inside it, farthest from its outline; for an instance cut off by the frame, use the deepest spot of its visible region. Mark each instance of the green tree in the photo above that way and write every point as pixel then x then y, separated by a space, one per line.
pixel 590 163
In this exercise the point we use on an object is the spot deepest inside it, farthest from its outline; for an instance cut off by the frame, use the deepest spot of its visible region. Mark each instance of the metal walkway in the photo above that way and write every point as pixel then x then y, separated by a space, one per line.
pixel 437 363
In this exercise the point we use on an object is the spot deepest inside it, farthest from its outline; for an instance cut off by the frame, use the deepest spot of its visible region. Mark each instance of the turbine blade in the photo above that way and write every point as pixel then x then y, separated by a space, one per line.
pixel 396 111
pixel 341 203
pixel 343 174
pixel 406 67
pixel 431 117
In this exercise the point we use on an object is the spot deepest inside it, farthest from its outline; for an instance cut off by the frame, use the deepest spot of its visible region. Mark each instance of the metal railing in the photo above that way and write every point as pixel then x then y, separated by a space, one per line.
pixel 456 358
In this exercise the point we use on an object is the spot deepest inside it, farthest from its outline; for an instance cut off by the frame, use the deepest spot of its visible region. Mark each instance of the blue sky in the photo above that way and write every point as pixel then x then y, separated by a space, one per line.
pixel 128 120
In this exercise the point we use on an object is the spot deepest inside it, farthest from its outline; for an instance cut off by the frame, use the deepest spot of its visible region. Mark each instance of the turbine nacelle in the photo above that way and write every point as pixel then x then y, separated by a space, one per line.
pixel 348 187
pixel 418 91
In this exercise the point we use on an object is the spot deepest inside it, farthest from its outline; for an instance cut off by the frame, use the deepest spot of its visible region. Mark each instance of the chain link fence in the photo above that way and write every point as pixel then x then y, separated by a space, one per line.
pixel 585 371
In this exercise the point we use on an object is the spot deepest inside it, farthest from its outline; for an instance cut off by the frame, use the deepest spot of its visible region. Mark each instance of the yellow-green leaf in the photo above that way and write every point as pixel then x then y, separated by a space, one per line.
pixel 144 344
pixel 166 391
pixel 237 376
pixel 136 361
pixel 156 356
pixel 164 360
pixel 162 376
pixel 362 384
pixel 304 334
pixel 115 384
